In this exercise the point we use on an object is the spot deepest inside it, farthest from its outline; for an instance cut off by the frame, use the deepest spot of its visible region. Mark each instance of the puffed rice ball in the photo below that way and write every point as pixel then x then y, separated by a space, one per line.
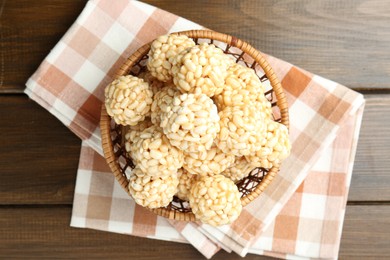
pixel 162 51
pixel 215 200
pixel 263 105
pixel 154 83
pixel 133 132
pixel 201 69
pixel 239 169
pixel 128 100
pixel 192 123
pixel 186 180
pixel 208 162
pixel 153 153
pixel 152 192
pixel 275 147
pixel 242 86
pixel 162 103
pixel 240 128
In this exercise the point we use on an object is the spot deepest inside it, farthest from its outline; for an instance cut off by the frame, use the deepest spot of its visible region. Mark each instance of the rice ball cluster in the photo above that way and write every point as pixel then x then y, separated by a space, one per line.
pixel 155 84
pixel 208 162
pixel 192 123
pixel 186 181
pixel 153 153
pixel 275 147
pixel 133 132
pixel 162 103
pixel 239 128
pixel 195 123
pixel 162 52
pixel 201 69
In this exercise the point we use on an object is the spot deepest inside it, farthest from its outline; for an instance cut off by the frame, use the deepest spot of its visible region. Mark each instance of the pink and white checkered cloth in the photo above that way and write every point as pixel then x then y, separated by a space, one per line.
pixel 301 212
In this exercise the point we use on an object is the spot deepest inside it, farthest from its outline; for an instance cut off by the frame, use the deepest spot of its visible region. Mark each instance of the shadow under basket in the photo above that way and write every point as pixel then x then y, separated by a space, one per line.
pixel 243 53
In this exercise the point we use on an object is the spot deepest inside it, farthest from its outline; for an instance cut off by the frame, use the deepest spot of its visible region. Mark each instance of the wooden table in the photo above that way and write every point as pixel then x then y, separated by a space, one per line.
pixel 344 40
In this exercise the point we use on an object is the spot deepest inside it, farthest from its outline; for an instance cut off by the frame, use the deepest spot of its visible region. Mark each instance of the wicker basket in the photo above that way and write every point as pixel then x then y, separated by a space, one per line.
pixel 242 52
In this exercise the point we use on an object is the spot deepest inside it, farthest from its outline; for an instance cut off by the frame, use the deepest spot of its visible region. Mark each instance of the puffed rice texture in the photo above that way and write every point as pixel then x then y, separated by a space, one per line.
pixel 240 169
pixel 215 200
pixel 208 162
pixel 201 69
pixel 186 180
pixel 133 132
pixel 242 86
pixel 162 52
pixel 240 127
pixel 275 148
pixel 128 100
pixel 152 192
pixel 192 124
pixel 162 103
pixel 153 153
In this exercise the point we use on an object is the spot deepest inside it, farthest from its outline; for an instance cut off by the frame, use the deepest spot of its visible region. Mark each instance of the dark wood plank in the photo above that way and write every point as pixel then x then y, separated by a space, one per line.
pixel 45 233
pixel 346 41
pixel 366 232
pixel 28 30
pixel 371 178
pixel 39 156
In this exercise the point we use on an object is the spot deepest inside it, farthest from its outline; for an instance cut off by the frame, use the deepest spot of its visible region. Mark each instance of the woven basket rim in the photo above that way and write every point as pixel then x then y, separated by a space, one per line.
pixel 105 119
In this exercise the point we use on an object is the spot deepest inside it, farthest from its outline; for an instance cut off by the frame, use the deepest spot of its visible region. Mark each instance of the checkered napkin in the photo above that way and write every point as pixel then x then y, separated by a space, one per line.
pixel 301 212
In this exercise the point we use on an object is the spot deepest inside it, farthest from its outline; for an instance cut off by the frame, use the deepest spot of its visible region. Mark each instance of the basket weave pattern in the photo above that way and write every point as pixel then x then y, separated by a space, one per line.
pixel 243 53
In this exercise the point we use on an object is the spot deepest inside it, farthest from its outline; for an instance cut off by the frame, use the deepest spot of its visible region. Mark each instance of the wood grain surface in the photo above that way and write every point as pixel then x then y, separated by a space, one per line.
pixel 42 232
pixel 29 29
pixel 39 156
pixel 371 173
pixel 344 40
pixel 347 41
